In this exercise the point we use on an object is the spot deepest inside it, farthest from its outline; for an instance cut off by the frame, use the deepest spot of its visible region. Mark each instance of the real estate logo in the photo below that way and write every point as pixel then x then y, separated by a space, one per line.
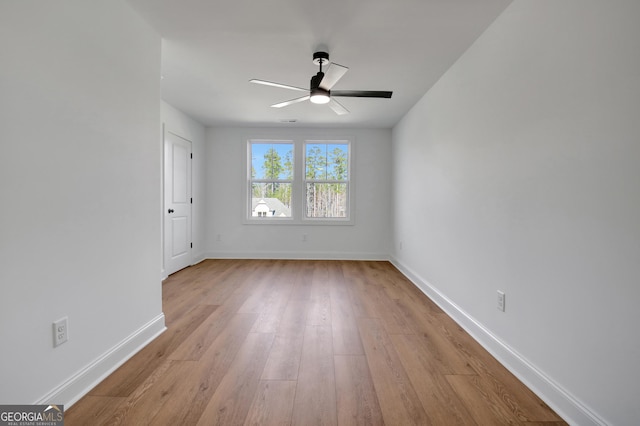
pixel 31 415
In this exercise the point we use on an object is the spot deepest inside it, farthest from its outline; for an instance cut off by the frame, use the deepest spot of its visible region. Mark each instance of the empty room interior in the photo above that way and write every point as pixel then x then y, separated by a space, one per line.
pixel 340 212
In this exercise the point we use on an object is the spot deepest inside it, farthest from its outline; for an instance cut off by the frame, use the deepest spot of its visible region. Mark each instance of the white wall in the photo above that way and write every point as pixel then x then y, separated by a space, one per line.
pixel 80 183
pixel 368 238
pixel 178 123
pixel 519 171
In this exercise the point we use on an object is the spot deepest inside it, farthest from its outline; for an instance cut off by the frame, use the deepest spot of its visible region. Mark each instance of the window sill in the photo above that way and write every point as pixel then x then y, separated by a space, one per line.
pixel 304 222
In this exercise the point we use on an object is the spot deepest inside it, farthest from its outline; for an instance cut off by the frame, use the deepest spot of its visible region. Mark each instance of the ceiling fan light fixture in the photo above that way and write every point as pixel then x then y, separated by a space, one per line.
pixel 319 96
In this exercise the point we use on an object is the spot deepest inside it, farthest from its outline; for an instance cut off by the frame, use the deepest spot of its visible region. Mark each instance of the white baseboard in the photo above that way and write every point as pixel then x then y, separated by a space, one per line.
pixel 330 255
pixel 197 258
pixel 567 406
pixel 87 378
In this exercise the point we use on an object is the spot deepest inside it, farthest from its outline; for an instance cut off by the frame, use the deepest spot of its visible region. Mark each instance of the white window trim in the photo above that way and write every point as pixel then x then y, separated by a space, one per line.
pixel 299 181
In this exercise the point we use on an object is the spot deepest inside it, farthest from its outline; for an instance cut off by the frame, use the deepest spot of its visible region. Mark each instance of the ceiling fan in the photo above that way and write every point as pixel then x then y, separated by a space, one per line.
pixel 320 89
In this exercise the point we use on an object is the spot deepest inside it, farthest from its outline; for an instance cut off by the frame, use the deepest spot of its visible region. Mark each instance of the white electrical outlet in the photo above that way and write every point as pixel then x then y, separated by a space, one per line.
pixel 60 331
pixel 304 237
pixel 501 300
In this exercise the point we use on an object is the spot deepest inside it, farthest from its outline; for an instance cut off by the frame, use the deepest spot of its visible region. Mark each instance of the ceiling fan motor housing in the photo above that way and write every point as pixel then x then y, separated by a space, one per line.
pixel 316 79
pixel 318 95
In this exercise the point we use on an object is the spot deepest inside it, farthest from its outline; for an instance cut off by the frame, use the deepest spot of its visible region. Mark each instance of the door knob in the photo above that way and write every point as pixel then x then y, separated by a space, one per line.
pixel 170 210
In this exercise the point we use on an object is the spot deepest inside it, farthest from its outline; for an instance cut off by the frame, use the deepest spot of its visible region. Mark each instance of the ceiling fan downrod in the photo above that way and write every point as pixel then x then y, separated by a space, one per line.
pixel 319 58
pixel 317 94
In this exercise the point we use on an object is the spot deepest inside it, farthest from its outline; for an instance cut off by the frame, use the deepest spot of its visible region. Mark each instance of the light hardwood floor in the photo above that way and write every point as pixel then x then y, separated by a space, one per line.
pixel 278 342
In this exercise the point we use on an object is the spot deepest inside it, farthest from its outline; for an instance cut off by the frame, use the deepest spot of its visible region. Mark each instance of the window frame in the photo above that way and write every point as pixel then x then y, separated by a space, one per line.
pixel 298 182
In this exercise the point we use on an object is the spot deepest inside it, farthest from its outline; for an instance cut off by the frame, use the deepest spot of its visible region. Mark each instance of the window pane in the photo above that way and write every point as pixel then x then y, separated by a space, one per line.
pixel 316 161
pixel 272 199
pixel 338 161
pixel 326 200
pixel 271 160
pixel 327 161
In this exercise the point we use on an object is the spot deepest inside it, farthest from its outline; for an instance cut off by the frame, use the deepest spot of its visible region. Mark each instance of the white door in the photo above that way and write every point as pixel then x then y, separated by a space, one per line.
pixel 177 203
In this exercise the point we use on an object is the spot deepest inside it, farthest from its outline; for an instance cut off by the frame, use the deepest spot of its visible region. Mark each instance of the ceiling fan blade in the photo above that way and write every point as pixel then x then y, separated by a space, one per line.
pixel 332 74
pixel 337 107
pixel 362 93
pixel 292 101
pixel 283 86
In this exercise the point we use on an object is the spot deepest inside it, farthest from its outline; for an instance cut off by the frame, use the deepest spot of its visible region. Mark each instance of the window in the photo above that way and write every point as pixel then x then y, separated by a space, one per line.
pixel 326 179
pixel 299 181
pixel 271 178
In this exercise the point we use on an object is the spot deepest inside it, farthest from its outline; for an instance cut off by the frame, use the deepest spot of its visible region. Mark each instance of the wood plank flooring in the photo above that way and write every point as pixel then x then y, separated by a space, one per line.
pixel 279 342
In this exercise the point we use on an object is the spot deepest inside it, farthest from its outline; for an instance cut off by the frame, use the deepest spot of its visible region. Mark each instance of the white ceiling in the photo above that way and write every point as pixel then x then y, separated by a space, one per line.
pixel 211 49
